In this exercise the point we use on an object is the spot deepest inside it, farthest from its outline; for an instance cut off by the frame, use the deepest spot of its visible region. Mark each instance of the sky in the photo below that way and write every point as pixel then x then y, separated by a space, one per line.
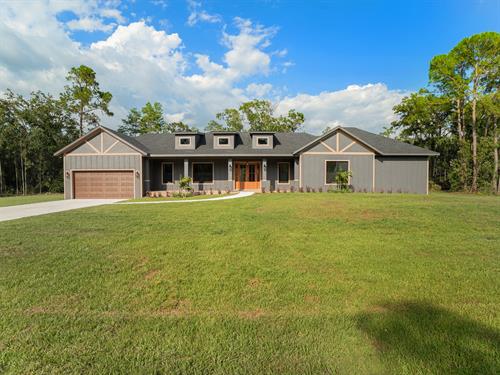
pixel 339 62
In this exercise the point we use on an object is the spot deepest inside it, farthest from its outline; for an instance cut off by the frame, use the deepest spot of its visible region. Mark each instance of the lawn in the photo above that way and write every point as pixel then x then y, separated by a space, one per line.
pixel 194 197
pixel 15 200
pixel 298 283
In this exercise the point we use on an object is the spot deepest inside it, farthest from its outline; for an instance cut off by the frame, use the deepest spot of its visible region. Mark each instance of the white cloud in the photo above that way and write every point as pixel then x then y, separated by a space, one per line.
pixel 368 107
pixel 113 14
pixel 257 90
pixel 89 24
pixel 197 14
pixel 138 63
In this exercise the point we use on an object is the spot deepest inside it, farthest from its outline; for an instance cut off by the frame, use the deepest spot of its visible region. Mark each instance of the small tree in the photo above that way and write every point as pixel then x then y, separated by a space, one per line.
pixel 342 180
pixel 185 186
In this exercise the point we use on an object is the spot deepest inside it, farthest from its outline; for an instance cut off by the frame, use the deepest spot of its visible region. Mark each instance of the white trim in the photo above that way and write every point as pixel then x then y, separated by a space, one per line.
pixel 122 154
pixel 337 153
pixel 110 147
pixel 223 144
pixel 92 146
pixel 161 172
pixel 348 146
pixel 348 168
pixel 278 170
pixel 258 138
pixel 427 179
pixel 373 182
pixel 337 140
pixel 102 143
pixel 326 146
pixel 194 155
pixel 300 171
pixel 202 162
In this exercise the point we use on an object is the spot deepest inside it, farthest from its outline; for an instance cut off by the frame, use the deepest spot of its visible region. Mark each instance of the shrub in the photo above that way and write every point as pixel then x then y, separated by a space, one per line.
pixel 262 189
pixel 278 190
pixel 219 192
pixel 185 185
pixel 292 189
pixel 320 190
pixel 301 189
pixel 342 180
pixel 308 189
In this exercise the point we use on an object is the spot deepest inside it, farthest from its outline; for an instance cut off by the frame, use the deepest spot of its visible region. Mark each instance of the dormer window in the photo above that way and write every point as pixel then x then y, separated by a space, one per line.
pixel 262 141
pixel 223 141
pixel 185 141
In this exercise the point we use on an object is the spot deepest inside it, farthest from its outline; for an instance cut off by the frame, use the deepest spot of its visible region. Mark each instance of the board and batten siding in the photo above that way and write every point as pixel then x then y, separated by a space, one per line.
pixel 73 163
pixel 100 153
pixel 313 171
pixel 401 174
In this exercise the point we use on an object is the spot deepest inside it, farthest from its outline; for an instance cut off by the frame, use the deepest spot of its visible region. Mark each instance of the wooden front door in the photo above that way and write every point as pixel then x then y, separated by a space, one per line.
pixel 247 175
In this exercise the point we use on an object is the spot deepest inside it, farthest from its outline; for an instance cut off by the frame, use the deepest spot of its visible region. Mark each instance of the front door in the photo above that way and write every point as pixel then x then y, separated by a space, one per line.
pixel 247 175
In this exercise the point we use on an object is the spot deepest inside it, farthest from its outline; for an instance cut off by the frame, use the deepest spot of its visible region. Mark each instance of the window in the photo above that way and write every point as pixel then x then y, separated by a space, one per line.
pixel 203 172
pixel 262 141
pixel 284 173
pixel 167 173
pixel 185 141
pixel 333 168
pixel 223 141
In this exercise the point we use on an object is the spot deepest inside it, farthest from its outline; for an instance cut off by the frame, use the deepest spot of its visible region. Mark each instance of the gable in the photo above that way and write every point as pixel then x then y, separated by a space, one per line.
pixel 339 142
pixel 103 144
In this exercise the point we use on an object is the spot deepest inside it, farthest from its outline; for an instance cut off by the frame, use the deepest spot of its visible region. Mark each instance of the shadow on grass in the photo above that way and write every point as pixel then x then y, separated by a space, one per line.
pixel 419 338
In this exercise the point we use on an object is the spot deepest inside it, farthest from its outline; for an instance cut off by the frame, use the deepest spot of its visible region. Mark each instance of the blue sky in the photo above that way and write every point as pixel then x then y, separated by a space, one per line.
pixel 340 62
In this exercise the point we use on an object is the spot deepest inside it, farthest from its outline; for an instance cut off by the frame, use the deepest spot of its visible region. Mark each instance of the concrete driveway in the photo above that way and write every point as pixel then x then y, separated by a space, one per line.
pixel 35 209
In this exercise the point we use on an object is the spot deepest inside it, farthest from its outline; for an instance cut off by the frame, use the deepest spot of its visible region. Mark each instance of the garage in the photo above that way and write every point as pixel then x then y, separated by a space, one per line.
pixel 103 184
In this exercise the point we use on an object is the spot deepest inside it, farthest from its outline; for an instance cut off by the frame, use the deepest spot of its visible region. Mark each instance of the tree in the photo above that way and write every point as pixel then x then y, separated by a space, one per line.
pixel 232 118
pixel 447 74
pixel 152 120
pixel 178 126
pixel 131 124
pixel 479 56
pixel 84 97
pixel 424 119
pixel 259 116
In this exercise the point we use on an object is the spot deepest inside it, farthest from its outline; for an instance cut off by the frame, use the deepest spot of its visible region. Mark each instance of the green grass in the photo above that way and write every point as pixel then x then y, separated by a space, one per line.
pixel 274 283
pixel 16 200
pixel 150 199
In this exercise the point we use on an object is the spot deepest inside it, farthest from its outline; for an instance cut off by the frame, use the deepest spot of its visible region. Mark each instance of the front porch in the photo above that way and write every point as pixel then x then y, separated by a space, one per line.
pixel 221 174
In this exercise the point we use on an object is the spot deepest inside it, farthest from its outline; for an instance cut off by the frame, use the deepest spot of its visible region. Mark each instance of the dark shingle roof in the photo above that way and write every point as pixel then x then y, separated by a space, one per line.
pixel 284 144
pixel 388 146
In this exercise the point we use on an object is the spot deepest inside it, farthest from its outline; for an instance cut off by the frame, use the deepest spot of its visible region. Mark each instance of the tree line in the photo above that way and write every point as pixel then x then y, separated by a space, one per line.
pixel 457 115
pixel 254 115
pixel 33 128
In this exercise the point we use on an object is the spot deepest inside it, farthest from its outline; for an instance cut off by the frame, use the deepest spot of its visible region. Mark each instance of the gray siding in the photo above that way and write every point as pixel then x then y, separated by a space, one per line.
pixel 313 171
pixel 401 174
pixel 272 174
pixel 220 182
pixel 73 162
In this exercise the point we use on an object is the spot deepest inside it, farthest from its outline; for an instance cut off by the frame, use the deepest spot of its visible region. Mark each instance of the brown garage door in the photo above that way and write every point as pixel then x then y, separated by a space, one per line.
pixel 103 184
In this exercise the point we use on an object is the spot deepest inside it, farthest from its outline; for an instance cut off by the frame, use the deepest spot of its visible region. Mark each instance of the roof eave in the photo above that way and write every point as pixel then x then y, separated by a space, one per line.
pixel 76 142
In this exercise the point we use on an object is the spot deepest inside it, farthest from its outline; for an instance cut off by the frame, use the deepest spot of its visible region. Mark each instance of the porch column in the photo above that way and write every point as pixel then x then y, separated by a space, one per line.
pixel 186 167
pixel 264 169
pixel 296 171
pixel 145 172
pixel 230 173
